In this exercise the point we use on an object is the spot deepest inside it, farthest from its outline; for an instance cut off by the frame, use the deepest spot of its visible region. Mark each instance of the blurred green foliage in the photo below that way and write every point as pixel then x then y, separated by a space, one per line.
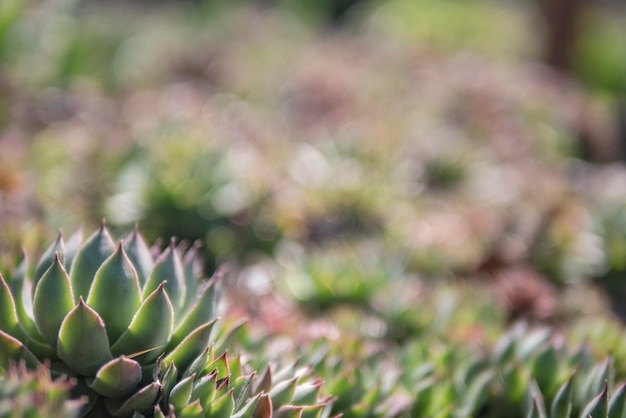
pixel 373 186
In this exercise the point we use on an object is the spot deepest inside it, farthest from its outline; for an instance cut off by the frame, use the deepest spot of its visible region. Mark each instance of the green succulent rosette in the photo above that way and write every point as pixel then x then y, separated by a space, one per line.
pixel 222 387
pixel 108 316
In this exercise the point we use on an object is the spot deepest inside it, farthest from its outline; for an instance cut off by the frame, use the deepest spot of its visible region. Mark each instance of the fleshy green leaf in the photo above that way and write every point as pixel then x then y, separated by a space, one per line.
pixel 289 411
pixel 52 301
pixel 201 311
pixel 191 346
pixel 597 378
pixel 140 255
pixel 532 342
pixel 617 403
pixel 220 365
pixel 191 267
pixel 56 250
pixel 193 410
pixel 8 312
pixel 83 343
pixel 306 394
pixel 158 413
pixel 22 293
pixel 205 389
pixel 537 410
pixel 544 369
pixel 264 382
pixel 72 245
pixel 242 389
pixel 562 403
pixel 169 269
pixel 248 409
pixel 283 392
pixel 181 393
pixel 263 408
pixel 598 407
pixel 88 260
pixel 12 350
pixel 142 402
pixel 168 381
pixel 119 377
pixel 223 406
pixel 150 329
pixel 200 364
pixel 115 293
pixel 537 407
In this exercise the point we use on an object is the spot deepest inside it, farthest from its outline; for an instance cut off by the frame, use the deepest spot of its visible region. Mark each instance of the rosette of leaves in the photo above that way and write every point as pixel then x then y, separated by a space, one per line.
pixel 26 393
pixel 107 316
pixel 219 386
pixel 542 378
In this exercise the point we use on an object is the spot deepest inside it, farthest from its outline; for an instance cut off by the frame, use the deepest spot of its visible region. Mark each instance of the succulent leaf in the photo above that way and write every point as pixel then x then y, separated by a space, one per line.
pixel 190 267
pixel 534 400
pixel 142 402
pixel 202 308
pixel 289 411
pixel 242 389
pixel 205 389
pixel 8 312
pixel 12 350
pixel 562 403
pixel 88 259
pixel 598 407
pixel 200 364
pixel 115 293
pixel 544 370
pixel 264 383
pixel 306 393
pixel 52 301
pixel 139 253
pixel 72 245
pixel 169 381
pixel 150 329
pixel 181 393
pixel 184 354
pixel 56 250
pixel 597 378
pixel 283 392
pixel 220 366
pixel 617 402
pixel 193 410
pixel 83 343
pixel 21 292
pixel 248 408
pixel 223 406
pixel 537 409
pixel 117 378
pixel 169 269
pixel 263 408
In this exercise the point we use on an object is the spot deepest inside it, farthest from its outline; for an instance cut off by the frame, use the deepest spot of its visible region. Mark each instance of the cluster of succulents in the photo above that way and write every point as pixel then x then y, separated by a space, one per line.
pixel 318 167
pixel 134 332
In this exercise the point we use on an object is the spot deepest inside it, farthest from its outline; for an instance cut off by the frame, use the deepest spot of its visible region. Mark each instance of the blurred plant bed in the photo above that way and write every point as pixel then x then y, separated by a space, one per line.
pixel 455 352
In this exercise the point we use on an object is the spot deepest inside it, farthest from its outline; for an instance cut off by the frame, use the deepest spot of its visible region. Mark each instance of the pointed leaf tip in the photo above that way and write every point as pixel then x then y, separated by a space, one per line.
pixel 52 301
pixel 83 343
pixel 116 280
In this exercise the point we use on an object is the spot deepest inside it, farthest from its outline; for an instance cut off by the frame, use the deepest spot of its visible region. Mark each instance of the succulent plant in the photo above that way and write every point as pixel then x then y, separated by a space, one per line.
pixel 218 386
pixel 26 393
pixel 107 317
pixel 135 335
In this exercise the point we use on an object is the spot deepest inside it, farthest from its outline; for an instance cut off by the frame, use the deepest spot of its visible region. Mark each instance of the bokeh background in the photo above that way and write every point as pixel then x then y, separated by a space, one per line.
pixel 374 171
